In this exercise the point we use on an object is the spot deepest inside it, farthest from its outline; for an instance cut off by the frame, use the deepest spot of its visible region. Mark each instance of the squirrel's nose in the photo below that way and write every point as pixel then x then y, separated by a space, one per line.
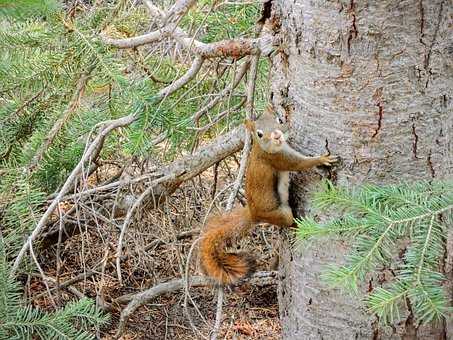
pixel 277 134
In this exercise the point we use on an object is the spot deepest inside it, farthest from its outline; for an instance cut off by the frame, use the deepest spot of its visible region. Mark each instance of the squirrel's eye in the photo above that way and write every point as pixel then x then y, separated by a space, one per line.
pixel 279 120
pixel 259 133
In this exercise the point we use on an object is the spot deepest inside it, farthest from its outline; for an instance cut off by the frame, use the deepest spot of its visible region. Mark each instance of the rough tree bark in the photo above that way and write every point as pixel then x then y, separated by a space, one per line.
pixel 370 81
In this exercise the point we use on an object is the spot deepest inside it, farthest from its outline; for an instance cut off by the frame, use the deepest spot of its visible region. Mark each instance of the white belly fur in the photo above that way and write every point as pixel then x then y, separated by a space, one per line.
pixel 283 187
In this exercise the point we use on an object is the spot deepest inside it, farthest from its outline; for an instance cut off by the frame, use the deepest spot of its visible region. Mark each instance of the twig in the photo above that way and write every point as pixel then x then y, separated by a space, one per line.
pixel 58 255
pixel 72 106
pixel 225 92
pixel 218 313
pixel 178 10
pixel 29 101
pixel 139 299
pixel 187 292
pixel 220 116
pixel 180 82
pixel 43 276
pixel 109 126
pixel 128 218
pixel 245 153
pixel 186 273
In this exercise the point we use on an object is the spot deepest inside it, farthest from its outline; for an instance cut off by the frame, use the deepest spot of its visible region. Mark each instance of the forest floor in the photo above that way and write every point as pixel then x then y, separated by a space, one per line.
pixel 250 312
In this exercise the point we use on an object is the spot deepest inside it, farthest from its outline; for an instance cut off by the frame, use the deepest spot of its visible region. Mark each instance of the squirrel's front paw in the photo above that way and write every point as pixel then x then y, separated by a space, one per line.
pixel 329 160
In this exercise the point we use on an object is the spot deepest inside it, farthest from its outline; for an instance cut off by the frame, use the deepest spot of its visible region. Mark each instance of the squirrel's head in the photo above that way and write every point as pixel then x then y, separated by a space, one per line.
pixel 268 131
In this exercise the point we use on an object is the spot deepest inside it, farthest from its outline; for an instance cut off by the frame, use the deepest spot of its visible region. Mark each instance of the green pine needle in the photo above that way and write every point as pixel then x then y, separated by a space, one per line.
pixel 376 219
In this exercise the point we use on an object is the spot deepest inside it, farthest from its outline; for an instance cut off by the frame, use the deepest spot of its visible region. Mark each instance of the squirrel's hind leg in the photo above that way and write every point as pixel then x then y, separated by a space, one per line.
pixel 282 217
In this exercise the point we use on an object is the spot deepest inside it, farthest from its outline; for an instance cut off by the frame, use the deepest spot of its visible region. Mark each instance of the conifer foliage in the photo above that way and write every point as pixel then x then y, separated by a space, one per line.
pixel 59 82
pixel 21 321
pixel 402 228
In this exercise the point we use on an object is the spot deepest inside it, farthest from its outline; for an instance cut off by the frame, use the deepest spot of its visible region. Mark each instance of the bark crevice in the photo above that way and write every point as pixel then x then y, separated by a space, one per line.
pixel 336 99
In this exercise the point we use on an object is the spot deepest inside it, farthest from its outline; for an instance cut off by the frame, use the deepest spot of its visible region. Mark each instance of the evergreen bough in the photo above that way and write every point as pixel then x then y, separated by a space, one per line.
pixel 21 321
pixel 399 227
pixel 47 46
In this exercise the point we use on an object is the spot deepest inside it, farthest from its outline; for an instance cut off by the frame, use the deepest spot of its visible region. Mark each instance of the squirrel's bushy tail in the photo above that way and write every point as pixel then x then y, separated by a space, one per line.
pixel 226 268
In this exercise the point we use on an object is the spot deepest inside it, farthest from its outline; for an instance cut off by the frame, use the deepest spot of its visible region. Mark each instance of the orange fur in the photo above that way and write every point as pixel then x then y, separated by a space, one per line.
pixel 266 189
pixel 222 230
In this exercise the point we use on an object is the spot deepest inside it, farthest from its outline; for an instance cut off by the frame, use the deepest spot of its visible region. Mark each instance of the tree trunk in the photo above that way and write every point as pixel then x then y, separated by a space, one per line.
pixel 370 82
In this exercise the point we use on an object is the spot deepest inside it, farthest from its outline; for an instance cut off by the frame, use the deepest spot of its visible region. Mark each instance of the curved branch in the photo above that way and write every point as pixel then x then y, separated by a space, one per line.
pixel 188 76
pixel 225 92
pixel 140 40
pixel 176 12
pixel 179 9
pixel 89 152
pixel 220 116
pixel 139 299
pixel 235 48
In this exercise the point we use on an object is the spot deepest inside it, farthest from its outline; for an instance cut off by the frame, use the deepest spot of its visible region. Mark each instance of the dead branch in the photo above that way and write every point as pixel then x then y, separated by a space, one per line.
pixel 225 92
pixel 235 48
pixel 187 296
pixel 220 116
pixel 179 9
pixel 72 106
pixel 180 170
pixel 139 299
pixel 88 154
pixel 95 270
pixel 191 165
pixel 148 38
pixel 188 76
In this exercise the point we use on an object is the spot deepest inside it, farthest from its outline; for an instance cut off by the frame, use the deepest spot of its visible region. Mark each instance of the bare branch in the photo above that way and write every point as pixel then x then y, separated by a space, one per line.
pixel 188 76
pixel 175 285
pixel 225 92
pixel 218 313
pixel 235 48
pixel 251 84
pixel 155 11
pixel 179 9
pixel 220 116
pixel 140 40
pixel 72 106
pixel 91 149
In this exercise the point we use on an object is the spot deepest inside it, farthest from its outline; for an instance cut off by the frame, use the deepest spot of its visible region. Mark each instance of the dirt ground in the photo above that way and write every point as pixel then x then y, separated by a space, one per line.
pixel 157 244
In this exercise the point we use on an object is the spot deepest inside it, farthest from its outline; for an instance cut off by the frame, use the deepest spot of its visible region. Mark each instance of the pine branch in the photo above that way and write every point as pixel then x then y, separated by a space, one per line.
pixel 376 218
pixel 72 106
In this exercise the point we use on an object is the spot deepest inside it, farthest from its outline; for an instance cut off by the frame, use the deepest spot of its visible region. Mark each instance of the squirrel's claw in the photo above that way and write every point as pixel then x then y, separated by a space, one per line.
pixel 329 160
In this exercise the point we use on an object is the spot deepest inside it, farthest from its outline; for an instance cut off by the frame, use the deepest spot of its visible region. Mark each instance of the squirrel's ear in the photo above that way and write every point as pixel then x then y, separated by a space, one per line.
pixel 250 125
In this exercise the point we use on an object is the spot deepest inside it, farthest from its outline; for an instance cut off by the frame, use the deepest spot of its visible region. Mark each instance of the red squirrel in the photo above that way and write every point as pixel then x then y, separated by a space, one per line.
pixel 266 188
